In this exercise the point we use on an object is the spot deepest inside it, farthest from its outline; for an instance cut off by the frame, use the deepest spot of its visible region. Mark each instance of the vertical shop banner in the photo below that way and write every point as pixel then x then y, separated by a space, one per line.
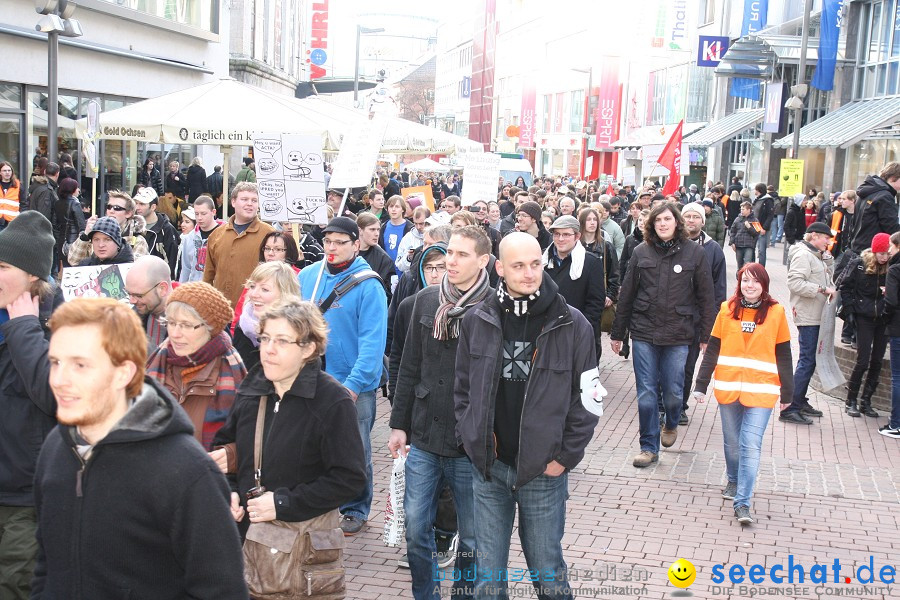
pixel 607 111
pixel 528 117
pixel 774 107
pixel 832 18
pixel 755 15
pixel 680 16
pixel 318 40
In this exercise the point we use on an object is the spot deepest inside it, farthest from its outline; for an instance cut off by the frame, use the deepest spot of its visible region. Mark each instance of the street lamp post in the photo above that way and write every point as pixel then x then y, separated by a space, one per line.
pixel 359 31
pixel 55 22
pixel 801 76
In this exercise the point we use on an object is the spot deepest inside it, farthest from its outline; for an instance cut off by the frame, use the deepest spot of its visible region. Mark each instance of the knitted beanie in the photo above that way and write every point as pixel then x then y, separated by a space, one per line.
pixel 27 243
pixel 881 242
pixel 695 208
pixel 108 226
pixel 209 303
pixel 530 208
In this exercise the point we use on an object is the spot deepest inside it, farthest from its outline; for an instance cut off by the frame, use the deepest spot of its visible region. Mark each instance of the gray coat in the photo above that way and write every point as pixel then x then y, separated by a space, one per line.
pixel 554 422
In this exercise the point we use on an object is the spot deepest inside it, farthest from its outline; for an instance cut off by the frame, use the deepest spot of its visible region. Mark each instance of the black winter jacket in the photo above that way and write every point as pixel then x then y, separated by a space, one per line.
pixel 152 179
pixel 861 292
pixel 163 240
pixel 68 220
pixel 382 264
pixel 554 422
pixel 892 297
pixel 764 210
pixel 312 454
pixel 178 187
pixel 215 184
pixel 196 181
pixel 742 236
pixel 610 261
pixel 631 242
pixel 145 516
pixel 667 296
pixel 876 212
pixel 794 223
pixel 716 258
pixel 42 196
pixel 423 396
pixel 29 408
pixel 587 293
pixel 125 255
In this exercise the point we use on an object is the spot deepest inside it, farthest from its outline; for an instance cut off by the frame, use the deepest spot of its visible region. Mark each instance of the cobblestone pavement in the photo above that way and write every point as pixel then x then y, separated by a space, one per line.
pixel 827 491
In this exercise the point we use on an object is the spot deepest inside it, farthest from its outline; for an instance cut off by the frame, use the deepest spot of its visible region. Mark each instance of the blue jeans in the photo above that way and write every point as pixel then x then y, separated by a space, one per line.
pixel 807 337
pixel 743 429
pixel 779 230
pixel 425 473
pixel 365 419
pixel 542 523
pixel 744 256
pixel 656 366
pixel 895 382
pixel 762 244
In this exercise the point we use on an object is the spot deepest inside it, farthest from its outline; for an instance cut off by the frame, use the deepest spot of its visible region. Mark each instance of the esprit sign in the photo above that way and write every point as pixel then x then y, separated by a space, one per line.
pixel 711 50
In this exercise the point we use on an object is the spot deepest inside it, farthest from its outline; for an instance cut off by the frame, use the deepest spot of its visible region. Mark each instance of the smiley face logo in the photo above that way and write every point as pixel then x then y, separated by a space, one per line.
pixel 682 573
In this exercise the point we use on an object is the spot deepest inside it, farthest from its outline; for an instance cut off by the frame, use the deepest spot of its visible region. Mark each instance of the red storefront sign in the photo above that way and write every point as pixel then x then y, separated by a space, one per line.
pixel 527 117
pixel 319 35
pixel 606 115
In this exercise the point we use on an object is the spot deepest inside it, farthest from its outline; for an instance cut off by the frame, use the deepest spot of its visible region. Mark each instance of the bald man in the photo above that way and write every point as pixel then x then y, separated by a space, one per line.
pixel 148 283
pixel 524 339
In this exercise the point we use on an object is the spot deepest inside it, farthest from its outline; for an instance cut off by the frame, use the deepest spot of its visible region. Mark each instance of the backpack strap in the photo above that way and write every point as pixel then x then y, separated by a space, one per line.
pixel 347 284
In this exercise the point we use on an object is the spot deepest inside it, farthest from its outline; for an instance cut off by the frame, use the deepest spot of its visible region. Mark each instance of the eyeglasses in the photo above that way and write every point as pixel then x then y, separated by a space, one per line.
pixel 336 242
pixel 141 296
pixel 280 343
pixel 429 269
pixel 175 325
pixel 116 207
pixel 558 234
pixel 270 249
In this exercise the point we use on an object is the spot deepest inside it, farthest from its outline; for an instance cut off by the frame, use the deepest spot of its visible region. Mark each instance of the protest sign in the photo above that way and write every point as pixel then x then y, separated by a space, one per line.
pixel 422 192
pixel 359 152
pixel 291 178
pixel 101 281
pixel 482 174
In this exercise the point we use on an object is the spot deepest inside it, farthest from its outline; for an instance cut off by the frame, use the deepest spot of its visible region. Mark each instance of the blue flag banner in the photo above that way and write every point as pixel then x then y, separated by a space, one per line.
pixel 755 14
pixel 832 16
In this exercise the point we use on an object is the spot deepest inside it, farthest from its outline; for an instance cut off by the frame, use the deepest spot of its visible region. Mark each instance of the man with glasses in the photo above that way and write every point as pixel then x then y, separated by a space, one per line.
pixel 413 239
pixel 577 272
pixel 120 207
pixel 148 284
pixel 480 210
pixel 357 322
pixel 233 250
pixel 423 409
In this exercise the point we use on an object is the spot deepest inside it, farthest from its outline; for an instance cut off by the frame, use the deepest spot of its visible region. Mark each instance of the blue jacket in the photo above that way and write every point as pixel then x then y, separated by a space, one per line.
pixel 357 325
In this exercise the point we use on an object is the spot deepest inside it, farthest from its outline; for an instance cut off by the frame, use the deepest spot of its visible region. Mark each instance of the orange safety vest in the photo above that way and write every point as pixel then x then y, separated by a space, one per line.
pixel 9 202
pixel 746 370
pixel 836 220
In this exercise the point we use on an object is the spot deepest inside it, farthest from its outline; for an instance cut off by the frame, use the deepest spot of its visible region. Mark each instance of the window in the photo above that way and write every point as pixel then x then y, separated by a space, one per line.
pixel 548 111
pixel 201 14
pixel 656 109
pixel 700 94
pixel 878 50
pixel 576 122
pixel 706 12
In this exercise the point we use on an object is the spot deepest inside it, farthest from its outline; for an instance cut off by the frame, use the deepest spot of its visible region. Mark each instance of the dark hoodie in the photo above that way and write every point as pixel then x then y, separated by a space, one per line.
pixel 163 239
pixel 876 212
pixel 125 255
pixel 145 515
pixel 631 242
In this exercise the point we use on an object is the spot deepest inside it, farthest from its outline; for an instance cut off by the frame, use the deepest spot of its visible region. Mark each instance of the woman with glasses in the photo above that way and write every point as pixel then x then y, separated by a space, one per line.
pixel 312 455
pixel 197 362
pixel 120 207
pixel 270 283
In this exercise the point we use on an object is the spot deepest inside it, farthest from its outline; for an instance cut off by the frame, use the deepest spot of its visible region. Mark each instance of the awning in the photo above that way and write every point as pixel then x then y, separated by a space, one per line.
pixel 725 128
pixel 654 134
pixel 756 56
pixel 847 125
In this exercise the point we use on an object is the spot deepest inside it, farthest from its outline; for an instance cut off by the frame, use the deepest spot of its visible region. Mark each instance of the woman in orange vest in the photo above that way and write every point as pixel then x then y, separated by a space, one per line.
pixel 10 194
pixel 749 352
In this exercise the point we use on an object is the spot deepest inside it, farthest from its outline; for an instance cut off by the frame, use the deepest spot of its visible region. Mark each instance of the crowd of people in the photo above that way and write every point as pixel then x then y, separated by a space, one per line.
pixel 235 398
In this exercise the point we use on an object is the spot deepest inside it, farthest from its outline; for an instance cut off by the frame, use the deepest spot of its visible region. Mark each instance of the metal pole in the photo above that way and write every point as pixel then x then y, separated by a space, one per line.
pixel 801 77
pixel 356 69
pixel 586 120
pixel 52 94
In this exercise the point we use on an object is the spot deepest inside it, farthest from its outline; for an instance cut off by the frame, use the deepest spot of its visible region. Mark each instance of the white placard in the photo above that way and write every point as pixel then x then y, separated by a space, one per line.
pixel 102 281
pixel 628 176
pixel 480 177
pixel 291 178
pixel 359 152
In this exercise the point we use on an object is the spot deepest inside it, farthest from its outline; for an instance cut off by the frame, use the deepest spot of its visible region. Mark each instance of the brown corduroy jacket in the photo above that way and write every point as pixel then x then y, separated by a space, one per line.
pixel 232 257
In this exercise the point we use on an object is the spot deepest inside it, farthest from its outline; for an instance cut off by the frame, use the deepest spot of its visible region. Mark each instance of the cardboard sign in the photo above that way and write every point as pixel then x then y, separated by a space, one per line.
pixel 422 192
pixel 103 281
pixel 482 174
pixel 359 152
pixel 291 178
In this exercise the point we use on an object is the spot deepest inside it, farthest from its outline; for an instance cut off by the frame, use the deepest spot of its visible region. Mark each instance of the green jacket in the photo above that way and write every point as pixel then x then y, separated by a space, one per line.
pixel 715 228
pixel 245 174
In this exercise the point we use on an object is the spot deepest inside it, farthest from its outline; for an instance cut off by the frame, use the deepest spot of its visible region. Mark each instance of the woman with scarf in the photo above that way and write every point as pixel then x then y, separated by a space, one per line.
pixel 197 363
pixel 270 283
pixel 749 356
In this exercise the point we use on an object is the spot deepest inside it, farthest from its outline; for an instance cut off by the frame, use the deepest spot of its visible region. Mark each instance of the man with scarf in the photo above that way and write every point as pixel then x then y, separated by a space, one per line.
pixel 577 273
pixel 525 396
pixel 423 415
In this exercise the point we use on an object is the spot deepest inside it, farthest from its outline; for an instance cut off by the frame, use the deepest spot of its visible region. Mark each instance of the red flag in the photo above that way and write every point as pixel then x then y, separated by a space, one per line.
pixel 610 190
pixel 670 158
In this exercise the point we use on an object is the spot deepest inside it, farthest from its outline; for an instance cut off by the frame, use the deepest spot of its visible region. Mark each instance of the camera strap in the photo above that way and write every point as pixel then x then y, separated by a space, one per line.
pixel 258 440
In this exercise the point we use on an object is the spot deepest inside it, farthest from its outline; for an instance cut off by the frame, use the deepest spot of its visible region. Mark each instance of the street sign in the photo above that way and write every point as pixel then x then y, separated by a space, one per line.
pixel 790 179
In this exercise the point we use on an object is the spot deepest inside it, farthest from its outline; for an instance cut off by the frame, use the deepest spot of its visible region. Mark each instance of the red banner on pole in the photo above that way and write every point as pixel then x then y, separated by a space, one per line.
pixel 527 117
pixel 670 158
pixel 607 112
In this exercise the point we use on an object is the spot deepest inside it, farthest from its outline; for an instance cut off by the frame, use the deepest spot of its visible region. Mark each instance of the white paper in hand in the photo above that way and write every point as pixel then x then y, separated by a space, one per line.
pixel 394 515
pixel 592 392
